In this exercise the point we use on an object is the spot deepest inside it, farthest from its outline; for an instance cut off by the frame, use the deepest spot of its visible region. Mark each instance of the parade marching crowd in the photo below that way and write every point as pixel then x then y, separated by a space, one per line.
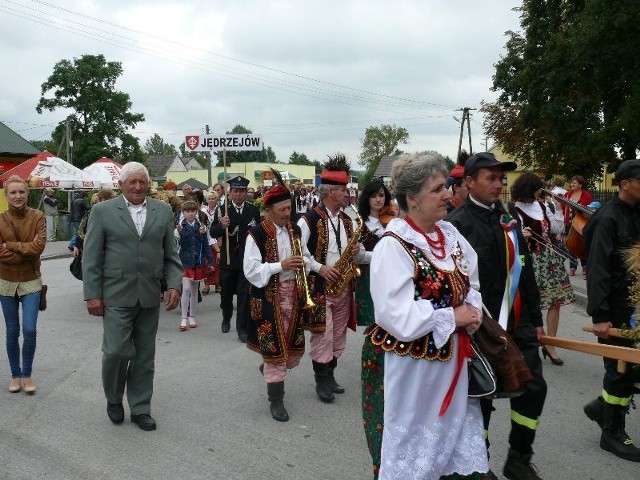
pixel 421 266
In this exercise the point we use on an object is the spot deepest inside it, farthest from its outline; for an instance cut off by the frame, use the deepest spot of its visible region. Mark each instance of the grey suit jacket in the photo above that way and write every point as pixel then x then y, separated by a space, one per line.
pixel 123 268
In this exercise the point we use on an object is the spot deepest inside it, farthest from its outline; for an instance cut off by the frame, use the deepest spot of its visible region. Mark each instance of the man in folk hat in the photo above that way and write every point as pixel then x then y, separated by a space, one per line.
pixel 270 265
pixel 326 231
pixel 504 261
pixel 233 227
pixel 613 229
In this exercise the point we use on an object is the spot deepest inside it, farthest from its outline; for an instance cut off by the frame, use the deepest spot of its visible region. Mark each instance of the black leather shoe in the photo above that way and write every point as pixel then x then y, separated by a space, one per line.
pixel 242 337
pixel 225 327
pixel 144 421
pixel 115 412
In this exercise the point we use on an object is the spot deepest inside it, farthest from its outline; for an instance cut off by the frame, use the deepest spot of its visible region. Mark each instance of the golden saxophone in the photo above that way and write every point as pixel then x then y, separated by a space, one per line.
pixel 346 264
pixel 301 275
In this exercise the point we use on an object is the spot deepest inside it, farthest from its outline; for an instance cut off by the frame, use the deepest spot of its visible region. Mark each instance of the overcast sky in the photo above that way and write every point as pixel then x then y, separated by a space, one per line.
pixel 310 76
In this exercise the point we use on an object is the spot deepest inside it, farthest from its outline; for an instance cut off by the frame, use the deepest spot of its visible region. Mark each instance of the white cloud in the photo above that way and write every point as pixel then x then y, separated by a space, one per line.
pixel 179 71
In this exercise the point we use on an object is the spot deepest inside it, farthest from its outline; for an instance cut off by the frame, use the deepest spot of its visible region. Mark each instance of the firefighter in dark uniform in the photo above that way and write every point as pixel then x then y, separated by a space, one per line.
pixel 232 223
pixel 615 227
pixel 510 293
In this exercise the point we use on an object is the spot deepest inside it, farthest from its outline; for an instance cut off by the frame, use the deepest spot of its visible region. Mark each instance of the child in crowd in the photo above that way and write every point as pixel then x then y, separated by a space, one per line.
pixel 194 248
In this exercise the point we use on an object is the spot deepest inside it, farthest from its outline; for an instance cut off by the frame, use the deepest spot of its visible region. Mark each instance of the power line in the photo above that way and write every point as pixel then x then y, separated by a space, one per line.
pixel 191 47
pixel 128 43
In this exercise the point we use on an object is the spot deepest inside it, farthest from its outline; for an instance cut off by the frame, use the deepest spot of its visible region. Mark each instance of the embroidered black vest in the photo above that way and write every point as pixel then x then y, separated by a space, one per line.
pixel 265 333
pixel 442 288
pixel 318 223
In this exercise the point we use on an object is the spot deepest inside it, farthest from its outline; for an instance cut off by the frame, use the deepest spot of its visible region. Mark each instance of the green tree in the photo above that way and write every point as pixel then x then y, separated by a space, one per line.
pixel 302 159
pixel 569 98
pixel 299 159
pixel 48 145
pixel 379 142
pixel 443 158
pixel 155 145
pixel 100 115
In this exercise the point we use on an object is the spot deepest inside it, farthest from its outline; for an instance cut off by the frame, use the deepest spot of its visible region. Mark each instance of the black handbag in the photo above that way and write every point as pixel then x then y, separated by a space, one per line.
pixel 76 267
pixel 42 306
pixel 482 378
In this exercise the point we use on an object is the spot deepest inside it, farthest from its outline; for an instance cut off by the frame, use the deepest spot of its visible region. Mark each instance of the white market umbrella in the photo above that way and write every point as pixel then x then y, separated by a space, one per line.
pixel 104 172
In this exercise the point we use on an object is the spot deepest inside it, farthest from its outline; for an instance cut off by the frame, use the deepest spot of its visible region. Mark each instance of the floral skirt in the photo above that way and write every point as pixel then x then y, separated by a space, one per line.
pixel 553 280
pixel 373 399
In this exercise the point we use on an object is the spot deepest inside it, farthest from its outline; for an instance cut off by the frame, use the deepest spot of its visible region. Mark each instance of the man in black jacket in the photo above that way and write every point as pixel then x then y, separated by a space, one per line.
pixel 509 293
pixel 614 228
pixel 234 227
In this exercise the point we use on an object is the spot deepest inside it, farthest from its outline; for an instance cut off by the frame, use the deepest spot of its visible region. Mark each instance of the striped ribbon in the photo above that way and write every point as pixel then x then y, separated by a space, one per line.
pixel 511 297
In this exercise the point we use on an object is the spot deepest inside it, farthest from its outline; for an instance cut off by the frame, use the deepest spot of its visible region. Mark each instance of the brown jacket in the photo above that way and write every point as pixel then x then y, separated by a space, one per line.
pixel 23 233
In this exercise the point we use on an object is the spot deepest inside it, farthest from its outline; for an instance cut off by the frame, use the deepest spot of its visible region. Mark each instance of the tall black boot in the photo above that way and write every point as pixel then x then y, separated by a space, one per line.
pixel 323 385
pixel 519 467
pixel 614 438
pixel 332 381
pixel 595 411
pixel 276 397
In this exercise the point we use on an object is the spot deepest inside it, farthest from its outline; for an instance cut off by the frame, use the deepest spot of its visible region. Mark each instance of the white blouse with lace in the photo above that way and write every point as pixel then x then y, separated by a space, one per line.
pixel 418 443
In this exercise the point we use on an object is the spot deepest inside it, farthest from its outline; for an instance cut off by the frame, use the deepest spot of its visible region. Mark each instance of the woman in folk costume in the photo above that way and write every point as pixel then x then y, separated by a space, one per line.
pixel 426 302
pixel 548 262
pixel 269 264
pixel 374 206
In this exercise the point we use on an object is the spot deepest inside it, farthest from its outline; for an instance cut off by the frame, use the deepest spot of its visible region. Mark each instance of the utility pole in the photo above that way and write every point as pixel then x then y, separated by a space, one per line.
pixel 465 118
pixel 208 157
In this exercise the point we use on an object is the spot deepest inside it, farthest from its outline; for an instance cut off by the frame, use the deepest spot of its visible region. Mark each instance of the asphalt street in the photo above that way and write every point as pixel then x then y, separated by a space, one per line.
pixel 213 416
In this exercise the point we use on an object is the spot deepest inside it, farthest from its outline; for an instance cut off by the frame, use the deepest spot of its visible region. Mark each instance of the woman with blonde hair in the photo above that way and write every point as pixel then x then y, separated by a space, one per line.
pixel 22 241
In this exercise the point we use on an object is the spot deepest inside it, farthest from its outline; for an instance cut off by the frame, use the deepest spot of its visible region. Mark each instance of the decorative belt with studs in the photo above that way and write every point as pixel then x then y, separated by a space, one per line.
pixel 423 347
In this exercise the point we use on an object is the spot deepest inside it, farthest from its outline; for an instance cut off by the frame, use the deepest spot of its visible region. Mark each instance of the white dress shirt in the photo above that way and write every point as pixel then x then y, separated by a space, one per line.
pixel 333 254
pixel 138 214
pixel 259 273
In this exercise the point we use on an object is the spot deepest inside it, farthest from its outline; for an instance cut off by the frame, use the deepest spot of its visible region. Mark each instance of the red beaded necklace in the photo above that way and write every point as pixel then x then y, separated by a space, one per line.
pixel 436 246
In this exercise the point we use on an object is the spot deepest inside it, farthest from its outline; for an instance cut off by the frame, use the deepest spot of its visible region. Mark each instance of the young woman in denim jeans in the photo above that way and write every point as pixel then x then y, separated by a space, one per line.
pixel 22 241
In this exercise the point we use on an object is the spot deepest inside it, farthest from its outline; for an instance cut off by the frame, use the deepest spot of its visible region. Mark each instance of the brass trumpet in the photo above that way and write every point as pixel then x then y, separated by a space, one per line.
pixel 301 275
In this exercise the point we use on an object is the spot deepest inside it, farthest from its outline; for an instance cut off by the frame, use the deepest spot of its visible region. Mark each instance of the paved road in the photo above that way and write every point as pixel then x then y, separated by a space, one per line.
pixel 213 420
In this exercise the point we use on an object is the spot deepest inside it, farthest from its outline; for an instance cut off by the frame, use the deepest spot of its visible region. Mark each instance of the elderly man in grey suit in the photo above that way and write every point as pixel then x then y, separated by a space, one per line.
pixel 129 248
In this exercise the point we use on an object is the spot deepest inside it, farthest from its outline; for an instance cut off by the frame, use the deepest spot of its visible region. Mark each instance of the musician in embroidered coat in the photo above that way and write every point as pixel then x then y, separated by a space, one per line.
pixel 275 326
pixel 326 231
pixel 496 235
pixel 415 383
